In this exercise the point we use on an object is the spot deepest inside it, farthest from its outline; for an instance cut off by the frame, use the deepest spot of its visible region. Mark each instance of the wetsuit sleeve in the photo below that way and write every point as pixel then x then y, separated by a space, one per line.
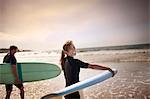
pixel 13 60
pixel 82 64
pixel 5 59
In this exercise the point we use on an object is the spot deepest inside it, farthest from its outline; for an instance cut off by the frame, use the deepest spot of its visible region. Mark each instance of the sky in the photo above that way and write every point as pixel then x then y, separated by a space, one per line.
pixel 48 24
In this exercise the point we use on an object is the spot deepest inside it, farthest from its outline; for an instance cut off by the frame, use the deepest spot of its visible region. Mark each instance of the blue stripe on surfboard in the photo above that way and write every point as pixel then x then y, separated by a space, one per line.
pixel 19 68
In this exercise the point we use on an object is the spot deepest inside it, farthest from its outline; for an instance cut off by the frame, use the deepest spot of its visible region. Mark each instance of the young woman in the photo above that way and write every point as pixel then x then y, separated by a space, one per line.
pixel 71 67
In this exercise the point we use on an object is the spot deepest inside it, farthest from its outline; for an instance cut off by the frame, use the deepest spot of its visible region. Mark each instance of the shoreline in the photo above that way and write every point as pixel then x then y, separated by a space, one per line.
pixel 130 55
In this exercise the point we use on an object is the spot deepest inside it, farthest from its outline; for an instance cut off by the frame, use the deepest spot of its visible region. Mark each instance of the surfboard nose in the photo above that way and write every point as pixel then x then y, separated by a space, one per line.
pixel 115 71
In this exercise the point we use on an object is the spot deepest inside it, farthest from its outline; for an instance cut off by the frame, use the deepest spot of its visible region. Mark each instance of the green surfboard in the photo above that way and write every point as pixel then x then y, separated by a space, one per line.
pixel 28 72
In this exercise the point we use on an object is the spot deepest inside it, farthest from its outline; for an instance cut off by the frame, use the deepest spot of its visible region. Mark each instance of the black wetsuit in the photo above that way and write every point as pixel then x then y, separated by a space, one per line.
pixel 71 72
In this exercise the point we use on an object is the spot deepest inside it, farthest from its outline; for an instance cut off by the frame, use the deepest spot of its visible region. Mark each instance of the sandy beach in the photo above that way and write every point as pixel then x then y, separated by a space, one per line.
pixel 131 82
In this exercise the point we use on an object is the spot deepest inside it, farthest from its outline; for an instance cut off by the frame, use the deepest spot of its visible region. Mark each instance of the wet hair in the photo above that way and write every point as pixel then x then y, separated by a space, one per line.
pixel 66 47
pixel 13 47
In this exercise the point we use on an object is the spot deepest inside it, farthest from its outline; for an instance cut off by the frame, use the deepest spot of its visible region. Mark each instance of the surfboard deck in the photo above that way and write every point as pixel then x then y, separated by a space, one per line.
pixel 28 72
pixel 80 85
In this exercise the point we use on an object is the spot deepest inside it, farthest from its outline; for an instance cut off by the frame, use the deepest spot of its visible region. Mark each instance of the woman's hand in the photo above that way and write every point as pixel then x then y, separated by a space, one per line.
pixel 113 73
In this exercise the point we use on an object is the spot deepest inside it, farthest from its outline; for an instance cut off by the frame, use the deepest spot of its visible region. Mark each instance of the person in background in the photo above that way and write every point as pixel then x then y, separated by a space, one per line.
pixel 10 58
pixel 71 67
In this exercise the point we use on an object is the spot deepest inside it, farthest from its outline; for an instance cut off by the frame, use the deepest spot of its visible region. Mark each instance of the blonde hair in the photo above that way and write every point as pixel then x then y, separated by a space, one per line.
pixel 66 47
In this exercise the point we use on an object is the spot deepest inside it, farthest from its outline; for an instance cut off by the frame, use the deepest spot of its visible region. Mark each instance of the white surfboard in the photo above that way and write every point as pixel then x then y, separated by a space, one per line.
pixel 80 85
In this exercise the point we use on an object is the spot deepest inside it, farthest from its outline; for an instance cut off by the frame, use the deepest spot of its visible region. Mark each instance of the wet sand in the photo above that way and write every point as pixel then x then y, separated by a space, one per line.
pixel 131 82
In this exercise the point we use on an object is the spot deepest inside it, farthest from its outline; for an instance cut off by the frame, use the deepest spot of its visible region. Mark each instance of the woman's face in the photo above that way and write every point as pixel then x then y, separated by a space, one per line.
pixel 71 51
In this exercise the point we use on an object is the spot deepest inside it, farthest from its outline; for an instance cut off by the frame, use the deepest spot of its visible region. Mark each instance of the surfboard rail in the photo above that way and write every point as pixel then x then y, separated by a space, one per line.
pixel 28 72
pixel 81 85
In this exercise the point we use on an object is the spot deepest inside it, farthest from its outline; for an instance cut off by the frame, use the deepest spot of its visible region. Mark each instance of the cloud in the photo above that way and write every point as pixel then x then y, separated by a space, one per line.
pixel 36 23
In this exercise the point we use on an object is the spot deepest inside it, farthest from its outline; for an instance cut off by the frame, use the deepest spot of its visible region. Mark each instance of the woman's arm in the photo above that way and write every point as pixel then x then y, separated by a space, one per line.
pixel 98 67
